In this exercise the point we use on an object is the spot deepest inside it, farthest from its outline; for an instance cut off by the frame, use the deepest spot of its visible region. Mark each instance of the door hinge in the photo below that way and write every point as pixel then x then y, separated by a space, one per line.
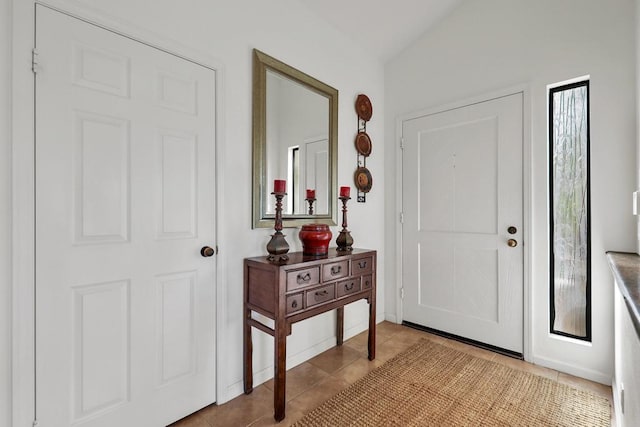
pixel 402 143
pixel 401 217
pixel 34 61
pixel 401 293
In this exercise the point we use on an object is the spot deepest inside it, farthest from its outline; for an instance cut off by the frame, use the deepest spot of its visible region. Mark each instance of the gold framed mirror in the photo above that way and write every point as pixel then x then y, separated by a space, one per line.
pixel 295 138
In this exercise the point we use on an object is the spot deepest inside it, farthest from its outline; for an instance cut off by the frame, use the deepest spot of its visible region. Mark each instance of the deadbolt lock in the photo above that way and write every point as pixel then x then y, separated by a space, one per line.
pixel 512 230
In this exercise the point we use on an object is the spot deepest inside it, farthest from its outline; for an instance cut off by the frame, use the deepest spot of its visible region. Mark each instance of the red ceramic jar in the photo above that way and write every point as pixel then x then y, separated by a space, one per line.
pixel 315 239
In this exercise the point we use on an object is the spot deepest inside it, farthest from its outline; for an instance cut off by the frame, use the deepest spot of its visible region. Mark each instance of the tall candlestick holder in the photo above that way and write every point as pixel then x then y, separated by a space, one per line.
pixel 344 240
pixel 278 246
pixel 310 201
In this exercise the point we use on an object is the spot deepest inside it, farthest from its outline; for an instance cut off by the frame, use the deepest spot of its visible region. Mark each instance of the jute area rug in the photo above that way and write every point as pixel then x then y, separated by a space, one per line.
pixel 433 385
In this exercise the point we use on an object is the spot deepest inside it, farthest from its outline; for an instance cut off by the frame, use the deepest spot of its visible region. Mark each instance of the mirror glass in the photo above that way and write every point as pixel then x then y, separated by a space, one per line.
pixel 294 138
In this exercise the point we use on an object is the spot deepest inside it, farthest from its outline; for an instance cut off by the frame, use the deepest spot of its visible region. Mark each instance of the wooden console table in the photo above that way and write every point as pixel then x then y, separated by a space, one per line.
pixel 303 287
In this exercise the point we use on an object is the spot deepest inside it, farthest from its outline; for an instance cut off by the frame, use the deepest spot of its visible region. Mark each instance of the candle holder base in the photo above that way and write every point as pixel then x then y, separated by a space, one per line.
pixel 310 201
pixel 344 241
pixel 278 248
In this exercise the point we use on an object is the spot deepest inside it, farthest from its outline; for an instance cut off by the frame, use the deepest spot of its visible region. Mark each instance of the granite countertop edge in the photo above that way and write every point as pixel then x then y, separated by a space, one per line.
pixel 626 270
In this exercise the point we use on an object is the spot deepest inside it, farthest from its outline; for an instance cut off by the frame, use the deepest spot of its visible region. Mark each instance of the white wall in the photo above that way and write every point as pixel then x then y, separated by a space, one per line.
pixel 637 56
pixel 489 45
pixel 228 30
pixel 5 213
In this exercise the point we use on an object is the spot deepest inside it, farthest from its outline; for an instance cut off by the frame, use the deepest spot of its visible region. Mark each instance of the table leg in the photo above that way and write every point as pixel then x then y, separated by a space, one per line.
pixel 372 326
pixel 340 325
pixel 280 374
pixel 248 353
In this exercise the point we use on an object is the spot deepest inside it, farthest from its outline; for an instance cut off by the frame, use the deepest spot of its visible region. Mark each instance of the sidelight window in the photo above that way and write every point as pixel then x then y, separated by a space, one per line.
pixel 570 238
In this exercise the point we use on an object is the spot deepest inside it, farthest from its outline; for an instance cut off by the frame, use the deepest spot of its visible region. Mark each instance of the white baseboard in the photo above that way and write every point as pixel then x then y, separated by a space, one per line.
pixel 391 318
pixel 577 371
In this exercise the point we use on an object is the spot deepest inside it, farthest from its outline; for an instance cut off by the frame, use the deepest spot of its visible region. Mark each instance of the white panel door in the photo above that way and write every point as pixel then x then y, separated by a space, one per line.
pixel 462 190
pixel 125 303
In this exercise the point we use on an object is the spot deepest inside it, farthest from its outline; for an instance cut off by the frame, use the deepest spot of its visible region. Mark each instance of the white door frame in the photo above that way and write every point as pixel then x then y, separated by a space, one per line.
pixel 23 190
pixel 526 193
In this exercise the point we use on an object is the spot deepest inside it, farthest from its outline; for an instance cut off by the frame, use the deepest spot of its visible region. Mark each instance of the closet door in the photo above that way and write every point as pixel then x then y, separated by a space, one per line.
pixel 125 303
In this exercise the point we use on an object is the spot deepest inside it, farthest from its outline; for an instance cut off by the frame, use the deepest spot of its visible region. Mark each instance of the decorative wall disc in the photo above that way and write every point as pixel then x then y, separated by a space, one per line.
pixel 364 107
pixel 363 180
pixel 363 144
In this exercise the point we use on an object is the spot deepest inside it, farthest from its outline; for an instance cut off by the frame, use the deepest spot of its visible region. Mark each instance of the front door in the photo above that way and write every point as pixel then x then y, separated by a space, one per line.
pixel 462 233
pixel 125 303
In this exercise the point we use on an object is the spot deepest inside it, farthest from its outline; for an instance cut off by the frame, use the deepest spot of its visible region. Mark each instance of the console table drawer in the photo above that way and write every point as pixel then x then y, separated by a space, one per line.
pixel 294 303
pixel 320 295
pixel 347 287
pixel 335 270
pixel 361 266
pixel 300 278
pixel 367 282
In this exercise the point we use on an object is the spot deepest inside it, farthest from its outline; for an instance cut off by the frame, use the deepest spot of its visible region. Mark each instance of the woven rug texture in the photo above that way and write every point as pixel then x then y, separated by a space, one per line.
pixel 433 385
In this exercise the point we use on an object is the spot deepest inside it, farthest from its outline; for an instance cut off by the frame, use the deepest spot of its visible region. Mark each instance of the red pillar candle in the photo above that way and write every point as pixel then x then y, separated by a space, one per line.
pixel 279 186
pixel 345 191
pixel 311 194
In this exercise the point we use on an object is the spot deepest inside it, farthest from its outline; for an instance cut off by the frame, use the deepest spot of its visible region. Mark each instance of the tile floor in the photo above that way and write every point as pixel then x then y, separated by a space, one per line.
pixel 313 382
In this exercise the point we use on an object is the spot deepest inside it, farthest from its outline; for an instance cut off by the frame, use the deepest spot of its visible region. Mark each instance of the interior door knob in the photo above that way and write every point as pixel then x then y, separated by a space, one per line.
pixel 207 251
pixel 512 243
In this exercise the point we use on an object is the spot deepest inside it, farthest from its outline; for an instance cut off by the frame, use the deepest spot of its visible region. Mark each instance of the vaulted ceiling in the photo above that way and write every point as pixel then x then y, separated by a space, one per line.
pixel 384 27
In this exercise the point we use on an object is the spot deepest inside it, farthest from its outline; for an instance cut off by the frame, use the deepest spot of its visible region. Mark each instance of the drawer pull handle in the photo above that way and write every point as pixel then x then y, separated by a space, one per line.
pixel 366 284
pixel 322 293
pixel 362 264
pixel 349 286
pixel 303 278
pixel 294 304
pixel 336 269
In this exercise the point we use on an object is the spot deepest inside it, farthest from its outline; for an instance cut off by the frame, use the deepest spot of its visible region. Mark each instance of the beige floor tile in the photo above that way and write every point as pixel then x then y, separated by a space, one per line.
pixel 335 358
pixel 193 420
pixel 406 337
pixel 581 383
pixel 357 369
pixel 421 334
pixel 470 349
pixel 360 342
pixel 433 337
pixel 387 330
pixel 292 414
pixel 241 411
pixel 521 365
pixel 389 350
pixel 300 378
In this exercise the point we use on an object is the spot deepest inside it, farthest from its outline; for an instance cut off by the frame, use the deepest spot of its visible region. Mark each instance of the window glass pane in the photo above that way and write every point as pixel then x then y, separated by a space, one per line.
pixel 570 258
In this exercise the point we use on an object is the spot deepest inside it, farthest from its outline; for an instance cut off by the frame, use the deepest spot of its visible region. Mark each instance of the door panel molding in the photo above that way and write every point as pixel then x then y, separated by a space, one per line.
pixel 23 187
pixel 525 90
